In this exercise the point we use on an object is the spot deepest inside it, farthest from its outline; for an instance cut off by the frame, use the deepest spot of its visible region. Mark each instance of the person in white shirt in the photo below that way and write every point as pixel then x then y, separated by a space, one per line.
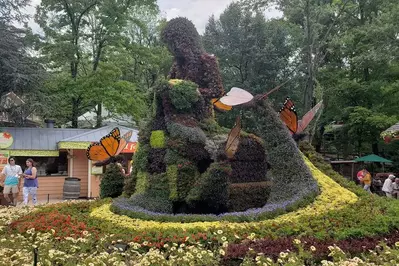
pixel 388 185
pixel 12 173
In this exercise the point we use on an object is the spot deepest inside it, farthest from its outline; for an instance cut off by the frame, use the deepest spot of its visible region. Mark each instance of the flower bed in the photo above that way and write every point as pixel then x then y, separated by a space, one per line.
pixel 341 216
pixel 325 202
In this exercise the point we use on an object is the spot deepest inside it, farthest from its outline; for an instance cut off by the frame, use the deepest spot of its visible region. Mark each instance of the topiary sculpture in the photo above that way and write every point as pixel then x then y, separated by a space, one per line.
pixel 181 166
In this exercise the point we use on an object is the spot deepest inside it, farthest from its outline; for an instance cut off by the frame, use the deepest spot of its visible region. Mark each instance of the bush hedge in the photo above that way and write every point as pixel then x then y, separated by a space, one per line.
pixel 112 182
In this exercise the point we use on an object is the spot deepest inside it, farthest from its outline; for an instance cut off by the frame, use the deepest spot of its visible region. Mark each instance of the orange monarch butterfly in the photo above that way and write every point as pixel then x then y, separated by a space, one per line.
pixel 289 116
pixel 233 139
pixel 108 147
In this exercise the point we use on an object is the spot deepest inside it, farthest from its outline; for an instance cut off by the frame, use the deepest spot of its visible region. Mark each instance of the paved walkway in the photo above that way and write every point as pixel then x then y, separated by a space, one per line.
pixel 44 202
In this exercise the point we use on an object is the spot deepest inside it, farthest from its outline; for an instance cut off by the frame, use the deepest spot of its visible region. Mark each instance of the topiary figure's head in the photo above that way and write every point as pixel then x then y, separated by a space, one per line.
pixel 182 38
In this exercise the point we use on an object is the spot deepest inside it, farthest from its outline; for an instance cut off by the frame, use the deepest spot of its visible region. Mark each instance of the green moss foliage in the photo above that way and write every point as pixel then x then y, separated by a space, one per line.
pixel 210 192
pixel 248 171
pixel 185 133
pixel 152 202
pixel 112 182
pixel 243 196
pixel 182 37
pixel 291 178
pixel 172 157
pixel 186 176
pixel 130 184
pixel 156 162
pixel 157 139
pixel 156 195
pixel 184 95
pixel 250 148
pixel 141 182
pixel 171 172
pixel 140 157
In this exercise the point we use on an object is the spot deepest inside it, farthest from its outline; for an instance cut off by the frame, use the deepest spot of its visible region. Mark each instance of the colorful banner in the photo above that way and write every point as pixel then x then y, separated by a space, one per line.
pixel 4 155
pixel 130 147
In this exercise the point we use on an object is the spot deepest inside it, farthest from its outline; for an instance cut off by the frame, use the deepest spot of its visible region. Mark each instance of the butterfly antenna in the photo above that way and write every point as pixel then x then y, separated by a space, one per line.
pixel 274 89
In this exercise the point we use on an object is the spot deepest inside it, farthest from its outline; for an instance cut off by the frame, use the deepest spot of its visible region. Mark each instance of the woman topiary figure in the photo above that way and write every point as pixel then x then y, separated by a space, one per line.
pixel 181 165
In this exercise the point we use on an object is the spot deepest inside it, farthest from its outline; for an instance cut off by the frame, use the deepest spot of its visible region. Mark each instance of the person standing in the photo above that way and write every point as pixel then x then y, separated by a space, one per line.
pixel 12 174
pixel 365 177
pixel 30 182
pixel 388 185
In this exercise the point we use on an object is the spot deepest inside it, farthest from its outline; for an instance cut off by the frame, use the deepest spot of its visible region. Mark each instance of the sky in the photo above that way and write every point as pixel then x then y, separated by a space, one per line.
pixel 198 11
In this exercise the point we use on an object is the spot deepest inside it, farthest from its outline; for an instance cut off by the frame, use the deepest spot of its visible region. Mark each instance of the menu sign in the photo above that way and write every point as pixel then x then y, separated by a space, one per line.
pixel 6 140
pixel 4 155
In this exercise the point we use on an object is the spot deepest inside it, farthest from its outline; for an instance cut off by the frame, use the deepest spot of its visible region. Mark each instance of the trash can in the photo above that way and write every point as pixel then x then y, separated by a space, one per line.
pixel 71 188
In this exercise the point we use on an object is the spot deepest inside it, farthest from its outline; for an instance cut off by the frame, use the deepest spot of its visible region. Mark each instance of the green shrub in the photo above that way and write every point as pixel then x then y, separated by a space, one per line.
pixel 183 95
pixel 112 182
pixel 157 139
pixel 243 196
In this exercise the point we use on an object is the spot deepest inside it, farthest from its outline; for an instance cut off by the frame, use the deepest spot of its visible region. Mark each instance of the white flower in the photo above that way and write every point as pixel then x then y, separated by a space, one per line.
pixel 297 241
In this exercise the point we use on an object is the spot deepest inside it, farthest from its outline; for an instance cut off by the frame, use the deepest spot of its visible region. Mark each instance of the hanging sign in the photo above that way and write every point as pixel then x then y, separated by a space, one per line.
pixel 130 147
pixel 6 140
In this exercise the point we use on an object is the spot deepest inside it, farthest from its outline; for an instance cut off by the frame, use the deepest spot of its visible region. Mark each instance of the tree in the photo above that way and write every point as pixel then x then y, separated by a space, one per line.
pixel 20 72
pixel 359 77
pixel 253 53
pixel 318 23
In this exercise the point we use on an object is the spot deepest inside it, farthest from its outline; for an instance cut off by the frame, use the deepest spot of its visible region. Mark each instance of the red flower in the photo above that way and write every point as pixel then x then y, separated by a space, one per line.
pixel 6 135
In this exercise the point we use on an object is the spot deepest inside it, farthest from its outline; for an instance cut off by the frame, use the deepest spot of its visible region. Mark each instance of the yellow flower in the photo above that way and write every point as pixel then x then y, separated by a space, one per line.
pixel 312 248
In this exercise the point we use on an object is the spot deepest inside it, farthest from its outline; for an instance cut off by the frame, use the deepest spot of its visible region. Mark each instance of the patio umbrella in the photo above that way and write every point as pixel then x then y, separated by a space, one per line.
pixel 372 158
pixel 391 133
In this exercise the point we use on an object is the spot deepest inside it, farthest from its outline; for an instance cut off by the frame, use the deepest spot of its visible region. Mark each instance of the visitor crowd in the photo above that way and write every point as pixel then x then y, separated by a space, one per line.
pixel 391 187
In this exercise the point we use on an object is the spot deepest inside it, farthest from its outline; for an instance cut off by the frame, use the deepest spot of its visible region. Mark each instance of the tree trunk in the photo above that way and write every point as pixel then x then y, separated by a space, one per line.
pixel 75 112
pixel 99 121
pixel 309 87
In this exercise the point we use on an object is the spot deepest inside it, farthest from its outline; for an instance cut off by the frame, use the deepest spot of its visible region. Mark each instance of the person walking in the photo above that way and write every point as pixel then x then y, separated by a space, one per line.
pixel 388 185
pixel 30 182
pixel 12 173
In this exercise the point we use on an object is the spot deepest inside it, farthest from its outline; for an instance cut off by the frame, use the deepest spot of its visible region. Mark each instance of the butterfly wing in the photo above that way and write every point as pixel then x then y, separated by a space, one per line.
pixel 123 142
pixel 221 106
pixel 236 96
pixel 308 117
pixel 233 139
pixel 106 148
pixel 96 152
pixel 111 142
pixel 289 116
